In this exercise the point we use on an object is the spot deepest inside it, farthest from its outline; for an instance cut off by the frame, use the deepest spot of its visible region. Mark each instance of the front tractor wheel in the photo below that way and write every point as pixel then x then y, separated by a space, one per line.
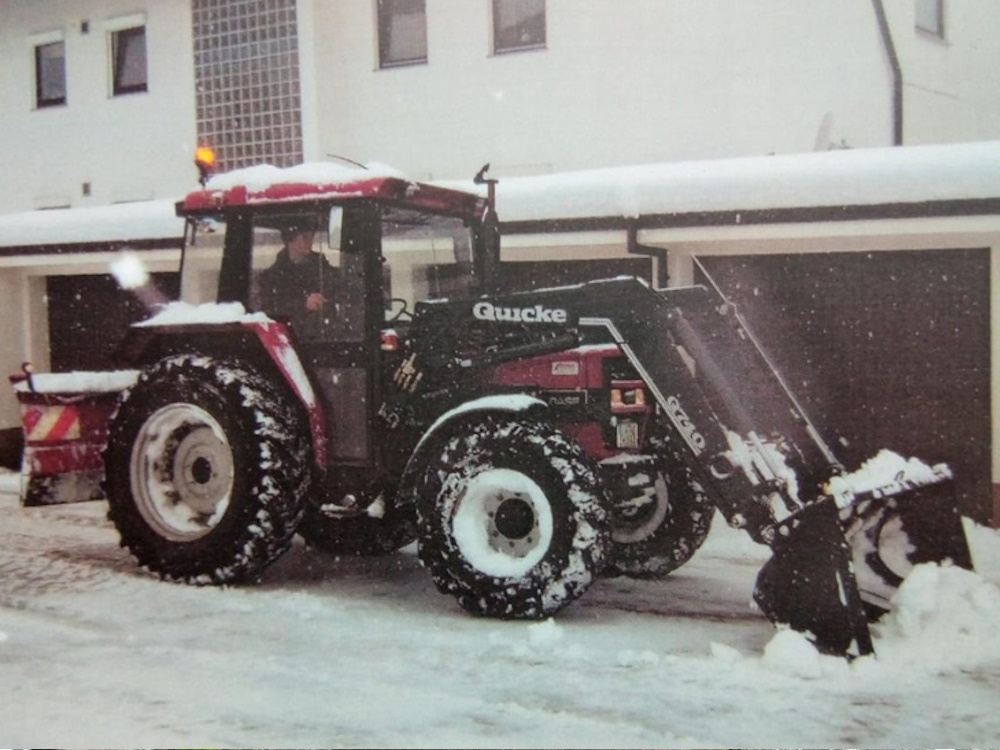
pixel 207 466
pixel 511 519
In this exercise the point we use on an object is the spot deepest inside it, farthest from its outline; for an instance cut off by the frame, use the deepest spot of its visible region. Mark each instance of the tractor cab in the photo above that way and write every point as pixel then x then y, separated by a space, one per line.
pixel 240 222
pixel 306 246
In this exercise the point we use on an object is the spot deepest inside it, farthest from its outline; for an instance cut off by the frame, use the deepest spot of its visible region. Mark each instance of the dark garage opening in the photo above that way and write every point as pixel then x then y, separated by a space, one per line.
pixel 89 315
pixel 883 349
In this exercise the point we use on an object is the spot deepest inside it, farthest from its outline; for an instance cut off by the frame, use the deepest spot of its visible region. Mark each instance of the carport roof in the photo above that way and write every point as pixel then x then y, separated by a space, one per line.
pixel 146 223
pixel 878 183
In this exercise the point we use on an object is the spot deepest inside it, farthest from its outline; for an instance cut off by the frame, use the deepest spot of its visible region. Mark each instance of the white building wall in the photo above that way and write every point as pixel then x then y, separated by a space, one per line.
pixel 949 84
pixel 619 82
pixel 131 147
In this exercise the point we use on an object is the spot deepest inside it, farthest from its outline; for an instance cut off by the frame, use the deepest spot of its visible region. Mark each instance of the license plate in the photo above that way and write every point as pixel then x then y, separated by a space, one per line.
pixel 628 435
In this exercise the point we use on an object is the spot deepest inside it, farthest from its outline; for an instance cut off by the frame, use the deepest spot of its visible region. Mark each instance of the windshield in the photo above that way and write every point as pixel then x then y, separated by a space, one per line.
pixel 316 270
pixel 429 257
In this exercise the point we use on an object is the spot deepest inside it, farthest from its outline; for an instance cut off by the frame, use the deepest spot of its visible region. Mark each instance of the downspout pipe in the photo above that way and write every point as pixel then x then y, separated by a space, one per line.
pixel 659 254
pixel 897 72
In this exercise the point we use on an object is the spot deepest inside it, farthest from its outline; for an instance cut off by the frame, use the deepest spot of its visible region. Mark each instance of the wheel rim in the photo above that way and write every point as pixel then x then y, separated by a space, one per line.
pixel 895 548
pixel 181 472
pixel 502 523
pixel 638 518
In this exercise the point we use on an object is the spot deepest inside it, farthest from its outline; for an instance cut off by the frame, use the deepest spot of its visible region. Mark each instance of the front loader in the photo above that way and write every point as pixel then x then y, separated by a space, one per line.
pixel 528 442
pixel 840 548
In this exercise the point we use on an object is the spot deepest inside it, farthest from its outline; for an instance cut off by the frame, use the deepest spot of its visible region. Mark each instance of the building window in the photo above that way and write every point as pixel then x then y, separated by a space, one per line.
pixel 518 25
pixel 930 17
pixel 50 74
pixel 247 82
pixel 402 32
pixel 128 55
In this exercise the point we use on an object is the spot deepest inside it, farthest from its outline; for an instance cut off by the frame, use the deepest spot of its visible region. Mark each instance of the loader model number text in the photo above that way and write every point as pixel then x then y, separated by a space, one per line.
pixel 683 422
pixel 538 314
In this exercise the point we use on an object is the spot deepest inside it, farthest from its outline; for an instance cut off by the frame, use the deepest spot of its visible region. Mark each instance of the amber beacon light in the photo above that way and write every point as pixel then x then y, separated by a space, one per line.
pixel 204 159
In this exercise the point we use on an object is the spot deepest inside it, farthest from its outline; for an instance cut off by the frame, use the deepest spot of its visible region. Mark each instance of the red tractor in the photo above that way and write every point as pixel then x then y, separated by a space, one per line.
pixel 528 442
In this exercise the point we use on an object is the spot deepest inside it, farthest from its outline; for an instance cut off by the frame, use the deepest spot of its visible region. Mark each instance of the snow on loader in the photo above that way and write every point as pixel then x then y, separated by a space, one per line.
pixel 529 442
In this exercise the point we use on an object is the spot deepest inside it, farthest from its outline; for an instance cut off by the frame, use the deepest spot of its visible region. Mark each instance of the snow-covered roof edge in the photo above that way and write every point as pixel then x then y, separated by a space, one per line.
pixel 854 177
pixel 123 222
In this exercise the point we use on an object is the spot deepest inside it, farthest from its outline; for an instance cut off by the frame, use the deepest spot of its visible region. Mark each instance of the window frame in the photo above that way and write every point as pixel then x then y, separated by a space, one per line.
pixel 118 51
pixel 38 44
pixel 385 12
pixel 498 48
pixel 939 28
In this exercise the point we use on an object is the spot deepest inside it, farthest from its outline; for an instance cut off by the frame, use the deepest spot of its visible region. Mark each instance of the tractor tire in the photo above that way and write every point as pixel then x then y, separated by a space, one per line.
pixel 207 468
pixel 511 518
pixel 658 525
pixel 364 535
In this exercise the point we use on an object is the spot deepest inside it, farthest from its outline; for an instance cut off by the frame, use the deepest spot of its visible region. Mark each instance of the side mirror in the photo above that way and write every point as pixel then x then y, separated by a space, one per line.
pixel 334 228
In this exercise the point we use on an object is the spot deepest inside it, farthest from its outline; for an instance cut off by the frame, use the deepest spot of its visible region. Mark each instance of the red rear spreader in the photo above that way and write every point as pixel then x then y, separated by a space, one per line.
pixel 65 421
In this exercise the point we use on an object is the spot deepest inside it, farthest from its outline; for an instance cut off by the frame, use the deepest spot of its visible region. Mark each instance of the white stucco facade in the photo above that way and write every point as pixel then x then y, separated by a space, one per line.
pixel 97 148
pixel 645 81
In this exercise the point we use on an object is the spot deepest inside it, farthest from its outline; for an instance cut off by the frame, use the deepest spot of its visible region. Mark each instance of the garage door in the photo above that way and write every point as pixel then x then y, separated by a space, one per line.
pixel 89 315
pixel 885 350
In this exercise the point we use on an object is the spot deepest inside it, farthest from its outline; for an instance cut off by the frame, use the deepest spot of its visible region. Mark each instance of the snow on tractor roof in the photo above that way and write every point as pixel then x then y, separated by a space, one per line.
pixel 326 182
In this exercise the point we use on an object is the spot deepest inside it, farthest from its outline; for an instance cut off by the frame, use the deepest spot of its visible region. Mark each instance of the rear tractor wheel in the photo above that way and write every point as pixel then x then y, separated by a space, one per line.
pixel 207 467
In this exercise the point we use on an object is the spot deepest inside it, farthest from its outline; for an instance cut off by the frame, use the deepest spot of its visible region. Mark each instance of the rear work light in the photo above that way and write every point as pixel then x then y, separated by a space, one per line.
pixel 627 396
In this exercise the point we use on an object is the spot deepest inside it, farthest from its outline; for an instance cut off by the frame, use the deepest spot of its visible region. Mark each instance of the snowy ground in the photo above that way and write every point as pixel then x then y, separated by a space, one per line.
pixel 362 653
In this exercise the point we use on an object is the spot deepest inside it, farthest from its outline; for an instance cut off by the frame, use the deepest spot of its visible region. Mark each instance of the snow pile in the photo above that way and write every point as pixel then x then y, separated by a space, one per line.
pixel 792 653
pixel 541 642
pixel 943 619
pixel 183 313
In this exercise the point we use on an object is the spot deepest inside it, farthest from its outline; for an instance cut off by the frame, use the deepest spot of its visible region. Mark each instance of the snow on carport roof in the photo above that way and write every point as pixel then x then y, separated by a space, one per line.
pixel 119 223
pixel 857 177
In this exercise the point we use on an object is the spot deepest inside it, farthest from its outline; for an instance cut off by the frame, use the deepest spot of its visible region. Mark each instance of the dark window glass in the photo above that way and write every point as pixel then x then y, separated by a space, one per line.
pixel 128 50
pixel 50 74
pixel 518 24
pixel 930 16
pixel 402 32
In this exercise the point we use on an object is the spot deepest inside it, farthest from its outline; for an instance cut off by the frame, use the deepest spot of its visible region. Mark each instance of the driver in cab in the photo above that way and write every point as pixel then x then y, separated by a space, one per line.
pixel 299 285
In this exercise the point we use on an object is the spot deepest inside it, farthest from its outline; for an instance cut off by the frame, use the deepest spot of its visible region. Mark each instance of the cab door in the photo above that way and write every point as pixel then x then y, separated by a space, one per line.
pixel 343 354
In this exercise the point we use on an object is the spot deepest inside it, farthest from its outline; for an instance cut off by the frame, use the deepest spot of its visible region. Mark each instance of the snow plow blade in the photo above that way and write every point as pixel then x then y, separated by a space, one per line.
pixel 809 585
pixel 833 571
